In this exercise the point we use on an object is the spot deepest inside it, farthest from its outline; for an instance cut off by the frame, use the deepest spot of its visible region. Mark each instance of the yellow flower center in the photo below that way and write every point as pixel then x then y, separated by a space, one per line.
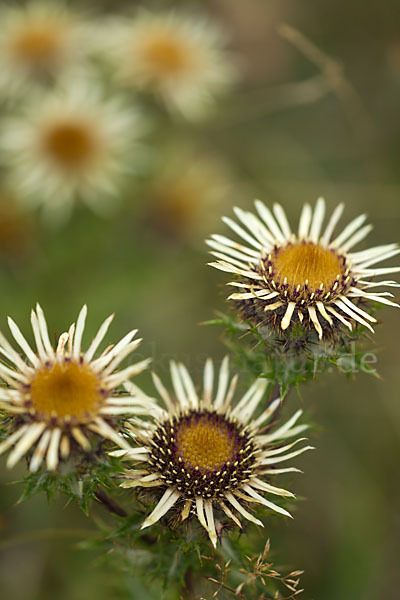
pixel 37 45
pixel 301 262
pixel 70 144
pixel 205 442
pixel 165 55
pixel 65 390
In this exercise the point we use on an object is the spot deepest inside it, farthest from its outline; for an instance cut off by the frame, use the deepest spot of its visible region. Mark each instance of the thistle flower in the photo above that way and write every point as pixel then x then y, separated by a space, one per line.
pixel 203 453
pixel 38 41
pixel 185 192
pixel 60 396
pixel 17 229
pixel 71 144
pixel 179 58
pixel 305 277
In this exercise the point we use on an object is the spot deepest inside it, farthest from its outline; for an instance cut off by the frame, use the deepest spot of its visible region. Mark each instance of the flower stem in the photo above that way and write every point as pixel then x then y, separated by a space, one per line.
pixel 109 503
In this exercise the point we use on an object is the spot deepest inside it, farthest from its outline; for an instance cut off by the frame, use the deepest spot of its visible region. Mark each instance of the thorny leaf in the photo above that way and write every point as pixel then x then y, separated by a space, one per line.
pixel 259 571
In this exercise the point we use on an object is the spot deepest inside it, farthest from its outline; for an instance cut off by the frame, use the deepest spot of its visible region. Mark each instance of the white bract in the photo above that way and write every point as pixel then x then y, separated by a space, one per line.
pixel 60 396
pixel 205 453
pixel 311 276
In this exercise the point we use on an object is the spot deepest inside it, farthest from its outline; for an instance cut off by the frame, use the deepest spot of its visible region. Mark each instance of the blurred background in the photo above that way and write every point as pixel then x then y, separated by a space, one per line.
pixel 308 105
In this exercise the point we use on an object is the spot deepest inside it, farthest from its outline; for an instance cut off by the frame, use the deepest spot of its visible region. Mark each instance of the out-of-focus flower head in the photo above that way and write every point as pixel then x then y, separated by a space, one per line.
pixel 204 455
pixel 181 58
pixel 61 396
pixel 39 41
pixel 17 229
pixel 306 278
pixel 186 191
pixel 72 143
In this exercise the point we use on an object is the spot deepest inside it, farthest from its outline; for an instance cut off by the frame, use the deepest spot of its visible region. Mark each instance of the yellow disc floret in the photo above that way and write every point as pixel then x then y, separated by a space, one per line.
pixel 37 45
pixel 69 144
pixel 66 390
pixel 307 262
pixel 165 55
pixel 205 443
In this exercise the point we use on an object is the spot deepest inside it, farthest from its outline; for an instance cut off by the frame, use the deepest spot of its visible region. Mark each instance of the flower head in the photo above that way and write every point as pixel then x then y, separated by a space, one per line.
pixel 38 41
pixel 185 192
pixel 60 396
pixel 305 277
pixel 71 144
pixel 204 454
pixel 179 58
pixel 17 229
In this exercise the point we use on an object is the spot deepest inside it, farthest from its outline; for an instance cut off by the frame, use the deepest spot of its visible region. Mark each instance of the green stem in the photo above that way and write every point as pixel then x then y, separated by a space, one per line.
pixel 109 503
pixel 188 586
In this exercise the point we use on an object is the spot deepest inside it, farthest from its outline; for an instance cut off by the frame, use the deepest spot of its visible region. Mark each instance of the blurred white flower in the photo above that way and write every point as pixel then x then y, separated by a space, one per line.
pixel 187 191
pixel 38 42
pixel 71 144
pixel 17 229
pixel 178 57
